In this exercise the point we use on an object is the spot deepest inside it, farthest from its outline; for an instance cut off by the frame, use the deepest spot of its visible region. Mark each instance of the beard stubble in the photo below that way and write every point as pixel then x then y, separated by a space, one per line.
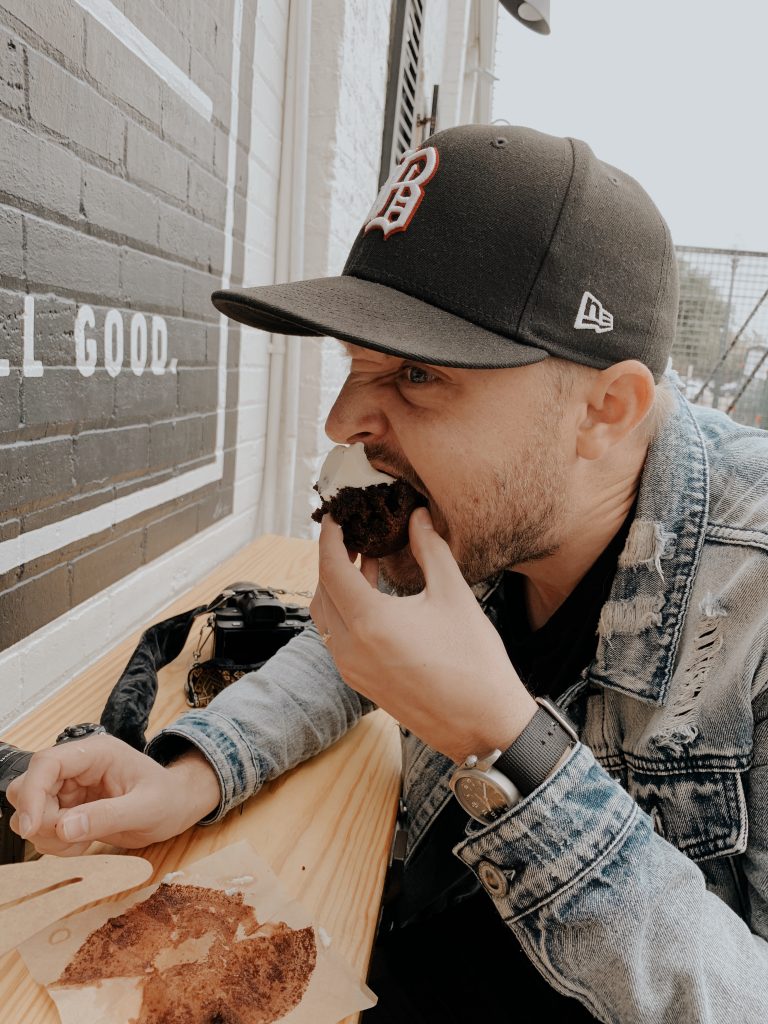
pixel 506 516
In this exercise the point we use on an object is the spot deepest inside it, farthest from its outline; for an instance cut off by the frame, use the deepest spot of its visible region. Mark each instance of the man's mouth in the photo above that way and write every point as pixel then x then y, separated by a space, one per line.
pixel 399 475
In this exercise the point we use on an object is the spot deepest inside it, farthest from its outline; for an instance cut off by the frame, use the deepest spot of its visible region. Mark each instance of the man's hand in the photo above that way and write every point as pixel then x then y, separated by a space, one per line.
pixel 433 660
pixel 100 788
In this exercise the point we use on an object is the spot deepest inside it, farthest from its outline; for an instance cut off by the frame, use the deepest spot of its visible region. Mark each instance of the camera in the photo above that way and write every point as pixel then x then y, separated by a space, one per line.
pixel 249 624
pixel 253 624
pixel 13 762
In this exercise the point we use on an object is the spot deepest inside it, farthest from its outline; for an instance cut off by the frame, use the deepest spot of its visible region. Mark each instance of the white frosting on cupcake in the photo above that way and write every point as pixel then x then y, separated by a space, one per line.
pixel 347 466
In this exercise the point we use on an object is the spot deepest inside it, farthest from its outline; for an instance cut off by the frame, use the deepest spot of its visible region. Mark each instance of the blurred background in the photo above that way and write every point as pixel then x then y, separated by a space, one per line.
pixel 152 151
pixel 671 94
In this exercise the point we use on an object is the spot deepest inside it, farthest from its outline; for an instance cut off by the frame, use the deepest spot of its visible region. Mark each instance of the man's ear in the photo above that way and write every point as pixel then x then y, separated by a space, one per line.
pixel 617 400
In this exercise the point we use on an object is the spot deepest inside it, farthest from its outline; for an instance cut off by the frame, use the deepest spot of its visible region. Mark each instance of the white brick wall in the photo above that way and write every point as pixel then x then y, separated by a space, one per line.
pixel 35 667
pixel 260 241
pixel 454 61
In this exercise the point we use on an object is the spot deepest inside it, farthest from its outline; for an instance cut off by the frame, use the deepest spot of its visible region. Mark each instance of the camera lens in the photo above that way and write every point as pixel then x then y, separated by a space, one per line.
pixel 13 762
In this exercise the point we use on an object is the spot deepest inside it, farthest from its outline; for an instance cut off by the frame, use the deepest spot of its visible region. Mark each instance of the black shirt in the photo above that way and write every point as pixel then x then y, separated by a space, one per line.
pixel 456 960
pixel 550 659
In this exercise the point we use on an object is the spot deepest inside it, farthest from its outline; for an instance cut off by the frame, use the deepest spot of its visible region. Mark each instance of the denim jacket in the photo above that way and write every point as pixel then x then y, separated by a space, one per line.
pixel 636 877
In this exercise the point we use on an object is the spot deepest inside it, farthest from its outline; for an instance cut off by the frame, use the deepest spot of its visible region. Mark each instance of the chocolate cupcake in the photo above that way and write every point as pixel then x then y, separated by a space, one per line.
pixel 372 508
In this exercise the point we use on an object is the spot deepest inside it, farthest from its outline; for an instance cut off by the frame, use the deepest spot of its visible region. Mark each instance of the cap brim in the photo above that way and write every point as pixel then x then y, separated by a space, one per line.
pixel 374 316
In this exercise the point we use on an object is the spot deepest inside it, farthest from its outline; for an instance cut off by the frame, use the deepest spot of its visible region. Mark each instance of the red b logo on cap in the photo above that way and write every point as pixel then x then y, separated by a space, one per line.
pixel 401 195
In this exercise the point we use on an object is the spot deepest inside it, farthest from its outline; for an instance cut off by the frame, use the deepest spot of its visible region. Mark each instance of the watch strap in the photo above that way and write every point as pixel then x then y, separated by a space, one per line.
pixel 538 749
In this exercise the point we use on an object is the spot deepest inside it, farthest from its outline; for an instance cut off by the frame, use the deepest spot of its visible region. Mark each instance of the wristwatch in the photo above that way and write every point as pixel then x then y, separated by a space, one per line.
pixel 78 732
pixel 488 786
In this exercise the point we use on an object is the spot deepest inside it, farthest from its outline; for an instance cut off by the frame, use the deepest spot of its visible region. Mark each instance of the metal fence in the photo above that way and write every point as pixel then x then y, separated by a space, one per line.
pixel 721 345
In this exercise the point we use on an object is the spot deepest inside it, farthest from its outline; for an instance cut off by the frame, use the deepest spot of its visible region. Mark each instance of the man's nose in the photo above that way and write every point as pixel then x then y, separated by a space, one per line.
pixel 356 415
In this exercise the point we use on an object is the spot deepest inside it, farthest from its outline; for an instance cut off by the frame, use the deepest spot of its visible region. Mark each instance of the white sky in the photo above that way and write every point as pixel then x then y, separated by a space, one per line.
pixel 673 93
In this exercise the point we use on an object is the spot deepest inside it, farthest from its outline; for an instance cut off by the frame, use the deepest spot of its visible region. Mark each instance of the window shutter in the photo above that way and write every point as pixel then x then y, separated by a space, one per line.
pixel 400 114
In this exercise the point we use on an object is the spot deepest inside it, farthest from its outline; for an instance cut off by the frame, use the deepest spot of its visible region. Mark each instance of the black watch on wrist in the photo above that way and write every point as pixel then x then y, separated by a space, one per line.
pixel 78 732
pixel 488 786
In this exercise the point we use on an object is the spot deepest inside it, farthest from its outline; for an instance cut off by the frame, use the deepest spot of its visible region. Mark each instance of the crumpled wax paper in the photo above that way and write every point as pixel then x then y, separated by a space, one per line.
pixel 333 991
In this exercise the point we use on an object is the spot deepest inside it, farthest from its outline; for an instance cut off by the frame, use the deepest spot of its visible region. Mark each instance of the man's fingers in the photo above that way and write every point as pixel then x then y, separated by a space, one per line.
pixel 31 791
pixel 432 553
pixel 72 793
pixel 102 818
pixel 343 583
pixel 45 839
pixel 58 848
pixel 69 767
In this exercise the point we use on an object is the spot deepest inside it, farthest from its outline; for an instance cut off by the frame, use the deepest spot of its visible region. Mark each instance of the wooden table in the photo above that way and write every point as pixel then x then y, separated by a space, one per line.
pixel 325 827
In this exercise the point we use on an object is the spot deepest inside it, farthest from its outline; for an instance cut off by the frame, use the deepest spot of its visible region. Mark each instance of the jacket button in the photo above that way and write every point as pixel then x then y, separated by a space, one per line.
pixel 493 879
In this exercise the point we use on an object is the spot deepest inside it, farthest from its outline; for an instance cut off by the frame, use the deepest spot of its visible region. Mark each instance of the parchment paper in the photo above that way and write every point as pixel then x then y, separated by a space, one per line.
pixel 333 991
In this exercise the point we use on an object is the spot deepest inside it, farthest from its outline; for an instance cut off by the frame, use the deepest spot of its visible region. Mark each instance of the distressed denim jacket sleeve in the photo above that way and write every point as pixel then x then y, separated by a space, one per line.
pixel 268 721
pixel 614 915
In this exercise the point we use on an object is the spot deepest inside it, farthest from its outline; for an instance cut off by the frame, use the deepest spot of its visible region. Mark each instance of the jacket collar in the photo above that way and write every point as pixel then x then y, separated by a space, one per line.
pixel 641 623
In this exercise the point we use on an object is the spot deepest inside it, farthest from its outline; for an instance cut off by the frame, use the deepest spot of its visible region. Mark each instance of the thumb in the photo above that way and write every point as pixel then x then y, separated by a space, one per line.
pixel 102 818
pixel 431 552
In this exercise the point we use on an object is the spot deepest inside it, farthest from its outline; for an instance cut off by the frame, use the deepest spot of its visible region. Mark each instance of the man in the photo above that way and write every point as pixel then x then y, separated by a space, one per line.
pixel 509 307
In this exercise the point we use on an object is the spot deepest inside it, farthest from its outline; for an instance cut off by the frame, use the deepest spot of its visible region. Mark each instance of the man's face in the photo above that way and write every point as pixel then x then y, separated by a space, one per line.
pixel 486 447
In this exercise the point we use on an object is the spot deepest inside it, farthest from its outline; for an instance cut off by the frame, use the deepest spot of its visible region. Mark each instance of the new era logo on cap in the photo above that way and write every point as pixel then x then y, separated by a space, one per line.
pixel 592 315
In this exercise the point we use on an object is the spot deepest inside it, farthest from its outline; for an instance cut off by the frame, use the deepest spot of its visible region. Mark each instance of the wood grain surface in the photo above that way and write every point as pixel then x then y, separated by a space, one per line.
pixel 325 827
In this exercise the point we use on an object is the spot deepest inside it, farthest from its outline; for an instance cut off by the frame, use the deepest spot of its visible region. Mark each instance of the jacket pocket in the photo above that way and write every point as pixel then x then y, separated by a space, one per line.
pixel 701 811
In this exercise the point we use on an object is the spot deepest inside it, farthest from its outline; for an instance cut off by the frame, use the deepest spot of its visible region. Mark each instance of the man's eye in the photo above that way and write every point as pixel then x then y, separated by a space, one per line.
pixel 417 375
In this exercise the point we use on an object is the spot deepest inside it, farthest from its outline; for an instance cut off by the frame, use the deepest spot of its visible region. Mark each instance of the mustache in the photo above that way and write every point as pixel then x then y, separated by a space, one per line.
pixel 397 464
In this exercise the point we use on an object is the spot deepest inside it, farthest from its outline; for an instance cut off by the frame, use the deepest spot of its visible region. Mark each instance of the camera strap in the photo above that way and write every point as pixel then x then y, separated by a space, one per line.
pixel 128 706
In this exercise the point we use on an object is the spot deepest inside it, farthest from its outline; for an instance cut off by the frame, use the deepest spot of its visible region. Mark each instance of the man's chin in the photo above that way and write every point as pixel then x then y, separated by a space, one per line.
pixel 402 572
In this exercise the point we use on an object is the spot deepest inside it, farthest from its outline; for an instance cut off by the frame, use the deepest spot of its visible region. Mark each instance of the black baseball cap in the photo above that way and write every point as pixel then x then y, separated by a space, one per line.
pixel 493 246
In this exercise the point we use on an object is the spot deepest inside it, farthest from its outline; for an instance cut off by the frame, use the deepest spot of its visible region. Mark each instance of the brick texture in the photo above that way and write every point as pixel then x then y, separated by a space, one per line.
pixel 61 260
pixel 12 55
pixel 11 242
pixel 126 79
pixel 113 193
pixel 31 474
pixel 58 26
pixel 74 111
pixel 37 172
pixel 151 163
pixel 114 208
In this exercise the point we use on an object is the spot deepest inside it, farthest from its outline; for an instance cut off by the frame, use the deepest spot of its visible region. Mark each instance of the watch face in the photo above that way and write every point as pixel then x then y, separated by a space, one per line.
pixel 481 798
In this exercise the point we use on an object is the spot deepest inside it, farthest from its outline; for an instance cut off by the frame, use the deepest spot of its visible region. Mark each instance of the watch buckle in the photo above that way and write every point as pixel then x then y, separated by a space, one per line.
pixel 487 760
